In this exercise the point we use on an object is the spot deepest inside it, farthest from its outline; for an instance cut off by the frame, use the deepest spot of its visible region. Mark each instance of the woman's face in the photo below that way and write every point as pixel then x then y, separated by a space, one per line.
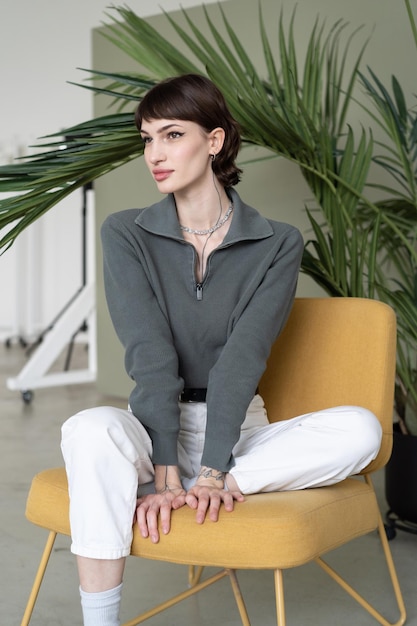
pixel 177 153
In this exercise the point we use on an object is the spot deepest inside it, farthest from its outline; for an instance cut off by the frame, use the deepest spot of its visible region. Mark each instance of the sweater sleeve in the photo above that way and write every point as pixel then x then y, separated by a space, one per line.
pixel 254 326
pixel 142 327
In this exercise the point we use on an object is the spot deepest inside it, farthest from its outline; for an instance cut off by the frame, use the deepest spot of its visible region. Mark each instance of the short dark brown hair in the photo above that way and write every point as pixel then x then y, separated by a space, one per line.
pixel 195 98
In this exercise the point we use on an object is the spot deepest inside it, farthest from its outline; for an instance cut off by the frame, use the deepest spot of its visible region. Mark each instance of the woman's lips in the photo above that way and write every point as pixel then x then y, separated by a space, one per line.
pixel 160 175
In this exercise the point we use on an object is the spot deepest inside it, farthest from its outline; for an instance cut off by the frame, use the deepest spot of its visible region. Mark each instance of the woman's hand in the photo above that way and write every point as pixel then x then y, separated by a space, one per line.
pixel 208 493
pixel 153 506
pixel 169 496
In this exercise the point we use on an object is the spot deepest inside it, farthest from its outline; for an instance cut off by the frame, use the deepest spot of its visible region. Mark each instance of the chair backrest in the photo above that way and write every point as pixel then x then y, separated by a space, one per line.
pixel 334 351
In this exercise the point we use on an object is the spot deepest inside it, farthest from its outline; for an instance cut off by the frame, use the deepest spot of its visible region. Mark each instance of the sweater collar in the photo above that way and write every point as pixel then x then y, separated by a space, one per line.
pixel 161 219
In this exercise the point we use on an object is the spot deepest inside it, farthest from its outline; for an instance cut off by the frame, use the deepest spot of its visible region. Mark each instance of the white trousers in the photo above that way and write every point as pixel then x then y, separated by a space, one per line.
pixel 107 454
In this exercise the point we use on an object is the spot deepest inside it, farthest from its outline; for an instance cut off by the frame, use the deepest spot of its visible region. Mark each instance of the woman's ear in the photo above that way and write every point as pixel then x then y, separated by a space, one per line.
pixel 216 136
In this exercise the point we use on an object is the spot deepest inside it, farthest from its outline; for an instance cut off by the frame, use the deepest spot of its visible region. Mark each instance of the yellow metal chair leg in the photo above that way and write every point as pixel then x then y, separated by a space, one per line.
pixel 392 572
pixel 238 597
pixel 38 578
pixel 194 575
pixel 279 597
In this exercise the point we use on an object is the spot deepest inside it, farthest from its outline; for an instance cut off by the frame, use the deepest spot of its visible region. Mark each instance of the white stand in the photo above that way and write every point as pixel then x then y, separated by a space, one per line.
pixel 34 373
pixel 79 310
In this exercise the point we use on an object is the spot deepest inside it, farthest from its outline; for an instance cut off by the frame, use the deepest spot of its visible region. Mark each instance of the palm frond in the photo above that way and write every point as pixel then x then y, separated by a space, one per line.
pixel 399 125
pixel 122 88
pixel 39 182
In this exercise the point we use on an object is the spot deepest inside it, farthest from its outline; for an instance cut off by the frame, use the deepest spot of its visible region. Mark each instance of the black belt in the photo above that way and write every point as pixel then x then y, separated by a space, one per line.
pixel 193 395
pixel 196 395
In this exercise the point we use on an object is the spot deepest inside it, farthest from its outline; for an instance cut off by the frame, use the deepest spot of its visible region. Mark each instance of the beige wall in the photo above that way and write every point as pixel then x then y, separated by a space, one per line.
pixel 276 187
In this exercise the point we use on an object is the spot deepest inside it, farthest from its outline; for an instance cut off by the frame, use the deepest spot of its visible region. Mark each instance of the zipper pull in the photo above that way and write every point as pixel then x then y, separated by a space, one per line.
pixel 199 291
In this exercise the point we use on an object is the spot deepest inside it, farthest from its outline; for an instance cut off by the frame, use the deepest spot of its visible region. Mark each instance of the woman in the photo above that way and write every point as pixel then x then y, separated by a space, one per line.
pixel 198 286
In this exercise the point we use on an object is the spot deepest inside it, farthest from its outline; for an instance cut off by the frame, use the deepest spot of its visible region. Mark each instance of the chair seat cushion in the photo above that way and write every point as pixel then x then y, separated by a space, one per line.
pixel 276 530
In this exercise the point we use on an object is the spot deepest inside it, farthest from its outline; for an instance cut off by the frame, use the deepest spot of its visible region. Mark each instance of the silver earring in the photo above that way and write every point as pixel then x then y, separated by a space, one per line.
pixel 213 156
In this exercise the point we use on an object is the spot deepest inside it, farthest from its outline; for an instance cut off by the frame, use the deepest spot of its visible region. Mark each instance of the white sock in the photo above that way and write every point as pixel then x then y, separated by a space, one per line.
pixel 101 608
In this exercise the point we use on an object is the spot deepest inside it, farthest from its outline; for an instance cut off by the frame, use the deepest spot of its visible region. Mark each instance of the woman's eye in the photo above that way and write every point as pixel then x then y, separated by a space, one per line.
pixel 146 140
pixel 175 134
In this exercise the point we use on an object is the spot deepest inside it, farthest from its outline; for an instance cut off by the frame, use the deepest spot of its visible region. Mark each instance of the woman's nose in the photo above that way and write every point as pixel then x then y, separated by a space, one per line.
pixel 156 153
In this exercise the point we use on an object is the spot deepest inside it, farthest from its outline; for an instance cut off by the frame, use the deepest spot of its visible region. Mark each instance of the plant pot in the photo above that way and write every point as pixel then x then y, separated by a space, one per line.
pixel 401 478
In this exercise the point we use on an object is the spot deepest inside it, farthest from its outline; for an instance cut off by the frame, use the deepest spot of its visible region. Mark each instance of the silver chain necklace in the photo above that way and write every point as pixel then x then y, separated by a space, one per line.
pixel 209 231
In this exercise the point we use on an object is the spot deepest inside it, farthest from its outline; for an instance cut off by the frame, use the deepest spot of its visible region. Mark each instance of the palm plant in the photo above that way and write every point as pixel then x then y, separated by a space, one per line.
pixel 398 159
pixel 301 116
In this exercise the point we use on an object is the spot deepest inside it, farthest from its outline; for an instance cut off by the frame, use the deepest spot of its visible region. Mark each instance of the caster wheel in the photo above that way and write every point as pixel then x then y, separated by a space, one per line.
pixel 27 396
pixel 390 532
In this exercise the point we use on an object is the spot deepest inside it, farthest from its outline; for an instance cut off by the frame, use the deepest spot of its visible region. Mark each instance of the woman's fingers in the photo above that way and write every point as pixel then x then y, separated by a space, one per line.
pixel 165 515
pixel 141 519
pixel 155 508
pixel 237 495
pixel 153 512
pixel 208 500
pixel 147 519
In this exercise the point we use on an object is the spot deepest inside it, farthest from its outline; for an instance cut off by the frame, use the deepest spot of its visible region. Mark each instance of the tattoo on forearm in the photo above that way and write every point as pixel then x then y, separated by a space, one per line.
pixel 208 472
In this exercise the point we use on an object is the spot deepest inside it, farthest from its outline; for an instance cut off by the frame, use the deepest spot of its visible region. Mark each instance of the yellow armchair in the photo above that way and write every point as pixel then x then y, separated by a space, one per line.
pixel 332 351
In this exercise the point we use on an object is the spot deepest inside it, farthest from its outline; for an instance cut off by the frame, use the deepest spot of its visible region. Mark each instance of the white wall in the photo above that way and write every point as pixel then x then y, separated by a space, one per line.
pixel 42 42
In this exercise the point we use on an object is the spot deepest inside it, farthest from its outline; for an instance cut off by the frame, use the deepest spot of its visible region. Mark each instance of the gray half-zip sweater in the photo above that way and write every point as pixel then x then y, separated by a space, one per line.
pixel 178 333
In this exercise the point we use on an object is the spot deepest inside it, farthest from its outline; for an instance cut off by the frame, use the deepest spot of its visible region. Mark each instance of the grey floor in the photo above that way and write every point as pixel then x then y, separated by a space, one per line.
pixel 29 436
